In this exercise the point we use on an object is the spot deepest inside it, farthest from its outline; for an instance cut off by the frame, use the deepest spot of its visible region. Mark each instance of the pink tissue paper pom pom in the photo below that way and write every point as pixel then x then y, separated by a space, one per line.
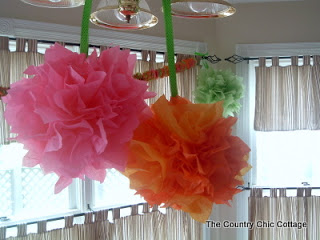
pixel 77 114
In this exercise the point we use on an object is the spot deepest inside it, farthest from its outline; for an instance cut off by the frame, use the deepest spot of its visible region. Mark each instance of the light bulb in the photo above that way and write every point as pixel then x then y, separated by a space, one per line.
pixel 120 16
pixel 123 18
pixel 198 7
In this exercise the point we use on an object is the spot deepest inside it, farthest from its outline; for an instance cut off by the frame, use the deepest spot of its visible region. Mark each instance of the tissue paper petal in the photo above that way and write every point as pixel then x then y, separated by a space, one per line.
pixel 77 114
pixel 185 157
pixel 219 85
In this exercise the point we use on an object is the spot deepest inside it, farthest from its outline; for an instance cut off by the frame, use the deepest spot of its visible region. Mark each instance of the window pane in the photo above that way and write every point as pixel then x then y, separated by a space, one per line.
pixel 115 191
pixel 5 193
pixel 38 193
pixel 288 158
pixel 27 192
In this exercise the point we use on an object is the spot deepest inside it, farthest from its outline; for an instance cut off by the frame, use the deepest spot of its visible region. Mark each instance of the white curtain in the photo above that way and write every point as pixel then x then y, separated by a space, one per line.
pixel 278 217
pixel 146 226
pixel 288 98
pixel 186 80
pixel 12 66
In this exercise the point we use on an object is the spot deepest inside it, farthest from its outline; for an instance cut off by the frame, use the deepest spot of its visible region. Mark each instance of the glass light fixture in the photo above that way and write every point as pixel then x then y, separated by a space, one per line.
pixel 123 15
pixel 202 8
pixel 55 3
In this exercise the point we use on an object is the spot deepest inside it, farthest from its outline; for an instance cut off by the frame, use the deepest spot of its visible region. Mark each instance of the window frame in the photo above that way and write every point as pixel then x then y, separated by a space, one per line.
pixel 81 193
pixel 245 69
pixel 76 191
pixel 251 66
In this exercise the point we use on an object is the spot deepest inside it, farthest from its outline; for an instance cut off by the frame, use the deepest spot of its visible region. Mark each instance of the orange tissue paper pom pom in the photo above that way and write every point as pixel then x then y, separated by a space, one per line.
pixel 185 157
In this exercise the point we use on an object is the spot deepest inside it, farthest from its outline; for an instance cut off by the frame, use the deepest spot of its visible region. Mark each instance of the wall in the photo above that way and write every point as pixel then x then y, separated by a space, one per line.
pixel 276 22
pixel 273 22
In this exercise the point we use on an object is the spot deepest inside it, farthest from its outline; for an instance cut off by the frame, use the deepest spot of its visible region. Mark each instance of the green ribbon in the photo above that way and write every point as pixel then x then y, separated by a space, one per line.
pixel 201 54
pixel 170 46
pixel 84 42
pixel 204 61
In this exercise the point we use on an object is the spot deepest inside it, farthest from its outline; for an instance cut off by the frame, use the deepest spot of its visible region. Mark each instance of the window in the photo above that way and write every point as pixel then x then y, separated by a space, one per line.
pixel 26 194
pixel 26 191
pixel 283 158
pixel 287 159
pixel 114 191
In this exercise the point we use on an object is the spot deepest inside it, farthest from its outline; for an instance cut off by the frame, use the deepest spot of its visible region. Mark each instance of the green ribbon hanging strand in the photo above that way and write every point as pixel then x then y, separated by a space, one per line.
pixel 84 42
pixel 204 63
pixel 170 46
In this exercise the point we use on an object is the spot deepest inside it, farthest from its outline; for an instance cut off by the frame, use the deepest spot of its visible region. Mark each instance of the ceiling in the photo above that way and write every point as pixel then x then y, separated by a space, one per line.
pixel 16 9
pixel 259 1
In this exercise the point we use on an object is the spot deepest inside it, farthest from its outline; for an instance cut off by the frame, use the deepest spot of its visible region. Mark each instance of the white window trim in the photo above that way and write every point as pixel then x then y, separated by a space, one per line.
pixel 56 32
pixel 278 49
pixel 243 125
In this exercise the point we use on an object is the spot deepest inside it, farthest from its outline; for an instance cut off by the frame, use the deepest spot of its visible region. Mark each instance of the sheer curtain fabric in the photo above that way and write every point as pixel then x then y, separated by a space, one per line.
pixel 280 209
pixel 147 226
pixel 288 98
pixel 12 66
pixel 186 80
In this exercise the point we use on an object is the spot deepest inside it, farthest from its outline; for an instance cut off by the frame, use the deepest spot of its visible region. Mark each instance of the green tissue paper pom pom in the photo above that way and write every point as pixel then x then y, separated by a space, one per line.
pixel 217 85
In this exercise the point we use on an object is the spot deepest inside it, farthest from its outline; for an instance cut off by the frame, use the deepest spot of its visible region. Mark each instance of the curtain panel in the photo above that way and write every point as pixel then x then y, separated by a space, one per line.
pixel 146 226
pixel 282 217
pixel 12 66
pixel 288 98
pixel 186 80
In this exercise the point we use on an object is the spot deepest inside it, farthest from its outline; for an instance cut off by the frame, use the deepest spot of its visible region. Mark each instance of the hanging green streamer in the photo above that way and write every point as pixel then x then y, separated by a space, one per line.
pixel 202 55
pixel 170 46
pixel 84 42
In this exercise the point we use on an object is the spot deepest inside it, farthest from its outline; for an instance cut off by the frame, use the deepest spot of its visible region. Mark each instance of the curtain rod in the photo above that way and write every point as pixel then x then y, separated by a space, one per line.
pixel 78 44
pixel 238 59
pixel 75 215
pixel 269 188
